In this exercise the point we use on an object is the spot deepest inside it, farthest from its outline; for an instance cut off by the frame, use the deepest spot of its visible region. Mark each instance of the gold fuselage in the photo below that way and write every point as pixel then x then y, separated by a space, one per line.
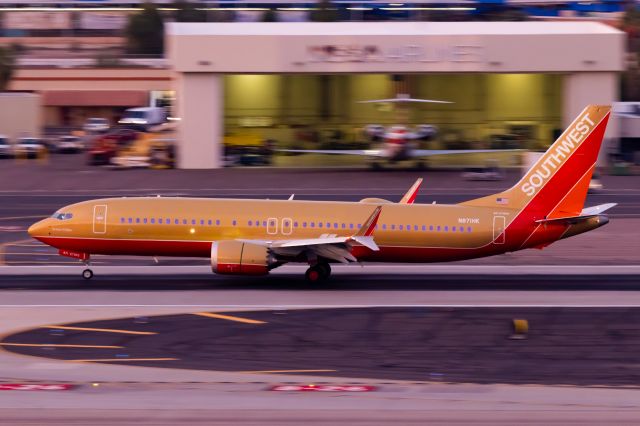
pixel 166 219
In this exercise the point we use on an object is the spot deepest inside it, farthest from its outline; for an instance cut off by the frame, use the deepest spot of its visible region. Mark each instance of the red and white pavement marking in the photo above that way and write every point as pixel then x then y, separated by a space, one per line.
pixel 35 387
pixel 322 388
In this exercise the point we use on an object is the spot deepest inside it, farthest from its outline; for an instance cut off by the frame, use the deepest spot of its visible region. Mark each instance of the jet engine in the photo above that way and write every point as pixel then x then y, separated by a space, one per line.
pixel 238 258
pixel 426 131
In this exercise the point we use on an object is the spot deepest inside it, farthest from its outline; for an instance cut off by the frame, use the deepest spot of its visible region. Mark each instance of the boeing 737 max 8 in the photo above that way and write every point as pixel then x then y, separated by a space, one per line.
pixel 251 237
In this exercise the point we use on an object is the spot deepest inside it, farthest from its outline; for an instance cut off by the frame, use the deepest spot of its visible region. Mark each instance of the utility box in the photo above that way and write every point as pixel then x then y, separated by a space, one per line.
pixel 21 115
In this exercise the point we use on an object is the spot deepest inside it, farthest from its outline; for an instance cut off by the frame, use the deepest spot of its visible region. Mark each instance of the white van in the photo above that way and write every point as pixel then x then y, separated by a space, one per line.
pixel 147 116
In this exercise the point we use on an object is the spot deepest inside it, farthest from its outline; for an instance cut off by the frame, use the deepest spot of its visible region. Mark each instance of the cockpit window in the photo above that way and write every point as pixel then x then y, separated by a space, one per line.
pixel 62 216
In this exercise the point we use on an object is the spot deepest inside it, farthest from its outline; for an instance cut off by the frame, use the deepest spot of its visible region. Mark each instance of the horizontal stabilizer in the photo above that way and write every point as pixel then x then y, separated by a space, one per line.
pixel 585 214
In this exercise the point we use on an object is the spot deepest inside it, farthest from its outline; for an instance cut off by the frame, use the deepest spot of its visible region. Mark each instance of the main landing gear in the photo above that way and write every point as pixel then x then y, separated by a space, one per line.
pixel 318 272
pixel 87 274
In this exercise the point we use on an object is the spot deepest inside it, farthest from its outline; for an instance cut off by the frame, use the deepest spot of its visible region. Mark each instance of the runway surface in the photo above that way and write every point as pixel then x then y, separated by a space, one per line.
pixel 471 316
pixel 453 345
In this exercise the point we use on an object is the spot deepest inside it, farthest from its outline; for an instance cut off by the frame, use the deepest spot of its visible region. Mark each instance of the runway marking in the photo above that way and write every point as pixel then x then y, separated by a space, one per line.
pixel 3 248
pixel 122 359
pixel 23 217
pixel 229 318
pixel 100 330
pixel 43 345
pixel 286 371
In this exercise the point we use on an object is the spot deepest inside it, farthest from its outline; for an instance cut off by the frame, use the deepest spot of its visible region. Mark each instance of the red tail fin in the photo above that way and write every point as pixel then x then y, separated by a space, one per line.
pixel 557 184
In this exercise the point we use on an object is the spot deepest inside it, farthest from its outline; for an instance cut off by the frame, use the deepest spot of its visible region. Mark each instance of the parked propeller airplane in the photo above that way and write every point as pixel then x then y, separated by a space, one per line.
pixel 398 141
pixel 251 237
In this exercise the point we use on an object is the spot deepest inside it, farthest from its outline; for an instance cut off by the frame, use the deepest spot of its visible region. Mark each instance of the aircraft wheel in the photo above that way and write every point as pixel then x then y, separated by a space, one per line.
pixel 87 274
pixel 325 270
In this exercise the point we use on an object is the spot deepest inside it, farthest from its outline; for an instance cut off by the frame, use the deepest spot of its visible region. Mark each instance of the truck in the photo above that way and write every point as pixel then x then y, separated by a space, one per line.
pixel 144 117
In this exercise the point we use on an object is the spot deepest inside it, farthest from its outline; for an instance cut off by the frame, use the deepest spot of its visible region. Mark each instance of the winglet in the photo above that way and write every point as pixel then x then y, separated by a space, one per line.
pixel 370 225
pixel 412 193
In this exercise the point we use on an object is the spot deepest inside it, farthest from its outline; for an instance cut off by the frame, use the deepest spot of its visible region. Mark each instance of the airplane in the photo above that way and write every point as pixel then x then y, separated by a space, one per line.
pixel 252 237
pixel 398 141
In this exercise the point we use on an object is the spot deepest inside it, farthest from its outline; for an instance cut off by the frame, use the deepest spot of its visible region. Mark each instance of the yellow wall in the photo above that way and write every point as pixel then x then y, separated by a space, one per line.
pixel 483 104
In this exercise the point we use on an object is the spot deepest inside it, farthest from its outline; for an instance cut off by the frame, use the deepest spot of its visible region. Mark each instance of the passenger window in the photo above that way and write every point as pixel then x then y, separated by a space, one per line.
pixel 144 220
pixel 130 220
pixel 137 220
pixel 424 227
pixel 184 221
pixel 312 224
pixel 438 228
pixel 209 222
pixel 250 223
pixel 304 224
pixel 351 226
pixel 468 229
pixel 234 222
pixel 153 220
pixel 335 225
pixel 319 224
pixel 295 224
pixel 201 221
pixel 453 228
pixel 344 226
pixel 176 222
pixel 400 227
pixel 430 227
pixel 122 220
pixel 393 227
pixel 384 226
pixel 446 229
pixel 193 221
pixel 168 221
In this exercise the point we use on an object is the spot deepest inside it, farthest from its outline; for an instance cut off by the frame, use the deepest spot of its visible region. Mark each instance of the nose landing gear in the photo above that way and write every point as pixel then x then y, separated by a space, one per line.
pixel 87 274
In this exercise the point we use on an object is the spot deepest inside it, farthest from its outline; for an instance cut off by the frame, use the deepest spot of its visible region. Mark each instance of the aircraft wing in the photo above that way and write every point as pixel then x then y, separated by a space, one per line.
pixel 432 152
pixel 402 100
pixel 362 152
pixel 332 247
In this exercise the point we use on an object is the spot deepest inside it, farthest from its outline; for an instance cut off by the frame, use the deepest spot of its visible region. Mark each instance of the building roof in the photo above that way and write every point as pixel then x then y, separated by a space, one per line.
pixel 389 28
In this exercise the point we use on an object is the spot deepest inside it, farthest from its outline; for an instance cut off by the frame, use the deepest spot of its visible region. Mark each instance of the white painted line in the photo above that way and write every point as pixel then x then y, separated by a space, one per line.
pixel 378 269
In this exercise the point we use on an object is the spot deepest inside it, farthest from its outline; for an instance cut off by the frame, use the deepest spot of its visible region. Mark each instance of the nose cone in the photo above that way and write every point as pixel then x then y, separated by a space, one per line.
pixel 37 229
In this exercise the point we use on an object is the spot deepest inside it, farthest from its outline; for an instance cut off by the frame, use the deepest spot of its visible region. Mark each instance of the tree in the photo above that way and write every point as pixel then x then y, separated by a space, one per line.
pixel 187 12
pixel 324 12
pixel 7 66
pixel 145 31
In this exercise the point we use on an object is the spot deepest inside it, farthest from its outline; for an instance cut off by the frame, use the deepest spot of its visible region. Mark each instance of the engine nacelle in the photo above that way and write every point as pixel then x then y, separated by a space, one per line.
pixel 426 131
pixel 237 258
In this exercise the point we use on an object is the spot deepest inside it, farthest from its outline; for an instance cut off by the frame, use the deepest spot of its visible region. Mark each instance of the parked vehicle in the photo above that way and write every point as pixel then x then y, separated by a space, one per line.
pixel 6 148
pixel 144 117
pixel 105 148
pixel 29 147
pixel 96 125
pixel 69 144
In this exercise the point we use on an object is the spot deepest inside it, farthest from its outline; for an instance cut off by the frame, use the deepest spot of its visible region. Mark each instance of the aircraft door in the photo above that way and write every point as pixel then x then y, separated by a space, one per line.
pixel 498 229
pixel 100 219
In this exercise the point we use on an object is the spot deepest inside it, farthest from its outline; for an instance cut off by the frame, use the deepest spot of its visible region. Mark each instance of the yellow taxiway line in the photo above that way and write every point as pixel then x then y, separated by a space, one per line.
pixel 53 345
pixel 99 330
pixel 122 359
pixel 3 247
pixel 229 318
